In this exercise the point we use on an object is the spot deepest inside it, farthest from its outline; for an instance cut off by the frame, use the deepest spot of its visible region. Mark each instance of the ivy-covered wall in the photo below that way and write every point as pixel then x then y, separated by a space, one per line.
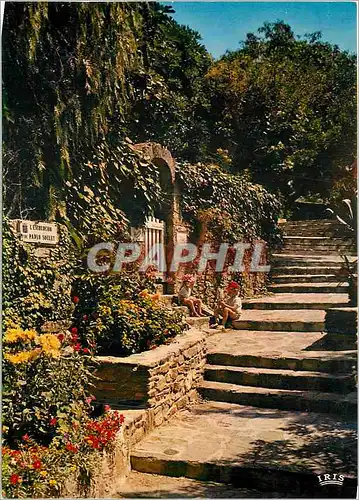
pixel 36 289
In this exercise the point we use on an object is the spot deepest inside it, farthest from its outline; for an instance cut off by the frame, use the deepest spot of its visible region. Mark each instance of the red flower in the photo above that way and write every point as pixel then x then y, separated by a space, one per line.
pixel 36 464
pixel 61 337
pixel 77 347
pixel 14 478
pixel 74 330
pixel 85 317
pixel 107 407
pixel 25 437
pixel 86 351
pixel 76 300
pixel 74 337
pixel 53 421
pixel 71 447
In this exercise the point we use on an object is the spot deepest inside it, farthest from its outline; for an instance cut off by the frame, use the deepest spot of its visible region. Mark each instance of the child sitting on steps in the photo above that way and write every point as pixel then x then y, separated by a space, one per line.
pixel 185 296
pixel 230 307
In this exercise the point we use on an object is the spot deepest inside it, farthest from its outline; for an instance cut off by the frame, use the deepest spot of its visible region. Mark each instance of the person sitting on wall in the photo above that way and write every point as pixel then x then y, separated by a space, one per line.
pixel 229 307
pixel 185 296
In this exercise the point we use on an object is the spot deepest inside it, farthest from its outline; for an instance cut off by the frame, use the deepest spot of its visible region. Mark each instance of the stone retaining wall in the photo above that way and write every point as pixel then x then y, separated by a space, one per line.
pixel 162 380
pixel 158 383
pixel 341 325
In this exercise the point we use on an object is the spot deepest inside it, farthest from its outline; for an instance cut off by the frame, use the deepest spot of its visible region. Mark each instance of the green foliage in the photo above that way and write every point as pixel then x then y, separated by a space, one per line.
pixel 233 208
pixel 36 289
pixel 84 74
pixel 171 105
pixel 72 458
pixel 285 107
pixel 80 74
pixel 42 377
pixel 65 85
pixel 121 317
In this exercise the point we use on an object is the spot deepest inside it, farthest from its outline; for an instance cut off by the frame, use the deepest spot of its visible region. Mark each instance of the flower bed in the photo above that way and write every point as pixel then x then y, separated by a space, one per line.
pixel 115 316
pixel 49 431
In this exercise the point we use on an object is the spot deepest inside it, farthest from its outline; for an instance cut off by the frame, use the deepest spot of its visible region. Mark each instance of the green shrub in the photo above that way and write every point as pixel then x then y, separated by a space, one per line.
pixel 240 210
pixel 42 376
pixel 35 471
pixel 119 316
pixel 36 289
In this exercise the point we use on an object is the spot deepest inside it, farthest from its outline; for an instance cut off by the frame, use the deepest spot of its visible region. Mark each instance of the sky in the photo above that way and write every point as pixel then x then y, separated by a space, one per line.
pixel 223 25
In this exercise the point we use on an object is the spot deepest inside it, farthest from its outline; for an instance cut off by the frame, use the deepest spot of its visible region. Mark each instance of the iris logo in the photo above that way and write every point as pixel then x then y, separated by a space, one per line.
pixel 327 479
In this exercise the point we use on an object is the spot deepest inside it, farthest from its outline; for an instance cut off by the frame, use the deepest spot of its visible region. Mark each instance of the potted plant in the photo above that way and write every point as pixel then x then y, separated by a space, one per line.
pixel 348 272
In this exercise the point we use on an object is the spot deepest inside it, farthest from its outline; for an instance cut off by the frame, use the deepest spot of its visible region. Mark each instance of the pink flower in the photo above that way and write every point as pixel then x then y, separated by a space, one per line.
pixel 107 408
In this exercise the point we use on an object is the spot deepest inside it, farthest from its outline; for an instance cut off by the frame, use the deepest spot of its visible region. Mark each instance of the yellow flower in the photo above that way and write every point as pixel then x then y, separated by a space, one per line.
pixel 52 482
pixel 50 344
pixel 73 468
pixel 22 357
pixel 43 473
pixel 17 334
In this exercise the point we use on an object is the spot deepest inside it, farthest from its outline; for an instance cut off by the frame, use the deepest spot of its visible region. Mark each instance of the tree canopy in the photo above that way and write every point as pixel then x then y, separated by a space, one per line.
pixel 78 78
pixel 285 108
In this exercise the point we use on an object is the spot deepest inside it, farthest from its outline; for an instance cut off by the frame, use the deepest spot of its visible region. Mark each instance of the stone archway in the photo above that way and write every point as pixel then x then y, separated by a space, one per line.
pixel 169 212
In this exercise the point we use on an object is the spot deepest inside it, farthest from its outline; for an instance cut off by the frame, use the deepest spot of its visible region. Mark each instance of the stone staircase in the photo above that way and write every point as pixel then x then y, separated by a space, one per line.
pixel 304 284
pixel 280 406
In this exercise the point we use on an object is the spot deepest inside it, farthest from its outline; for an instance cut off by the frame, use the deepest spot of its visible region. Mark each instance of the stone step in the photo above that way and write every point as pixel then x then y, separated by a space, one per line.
pixel 147 485
pixel 303 320
pixel 314 222
pixel 183 309
pixel 305 278
pixel 199 323
pixel 307 245
pixel 320 243
pixel 168 300
pixel 282 399
pixel 305 259
pixel 280 379
pixel 304 270
pixel 308 288
pixel 323 233
pixel 318 251
pixel 330 362
pixel 250 448
pixel 297 301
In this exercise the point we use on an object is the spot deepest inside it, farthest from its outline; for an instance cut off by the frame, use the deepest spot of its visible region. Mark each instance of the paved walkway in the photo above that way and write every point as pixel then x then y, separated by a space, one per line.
pixel 141 485
pixel 273 344
pixel 230 434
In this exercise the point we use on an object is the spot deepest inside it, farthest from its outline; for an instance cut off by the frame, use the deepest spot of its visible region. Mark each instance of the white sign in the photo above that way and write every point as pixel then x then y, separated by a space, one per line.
pixel 45 233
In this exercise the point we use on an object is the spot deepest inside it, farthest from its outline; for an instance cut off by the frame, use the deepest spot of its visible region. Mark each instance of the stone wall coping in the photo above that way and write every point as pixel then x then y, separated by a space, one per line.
pixel 152 358
pixel 344 309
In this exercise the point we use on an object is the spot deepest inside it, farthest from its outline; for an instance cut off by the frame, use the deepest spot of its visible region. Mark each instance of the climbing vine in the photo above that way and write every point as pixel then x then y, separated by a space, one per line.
pixel 232 207
pixel 36 289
